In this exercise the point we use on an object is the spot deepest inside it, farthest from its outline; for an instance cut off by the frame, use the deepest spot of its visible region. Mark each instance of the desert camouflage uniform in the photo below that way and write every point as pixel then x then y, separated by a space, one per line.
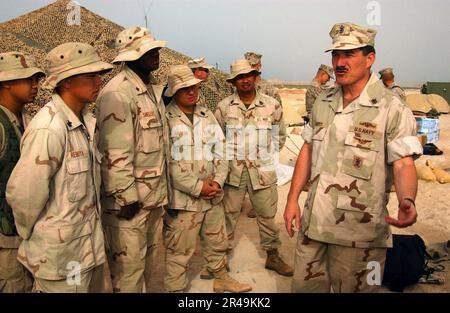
pixel 134 141
pixel 398 91
pixel 13 276
pixel 190 215
pixel 268 89
pixel 252 171
pixel 343 217
pixel 54 192
pixel 311 95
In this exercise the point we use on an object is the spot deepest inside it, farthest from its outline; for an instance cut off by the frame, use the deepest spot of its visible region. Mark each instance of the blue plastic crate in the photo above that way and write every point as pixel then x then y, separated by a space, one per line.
pixel 427 125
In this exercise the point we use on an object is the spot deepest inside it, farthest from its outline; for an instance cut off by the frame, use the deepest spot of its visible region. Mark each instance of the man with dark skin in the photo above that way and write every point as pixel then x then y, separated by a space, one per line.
pixel 134 141
pixel 19 82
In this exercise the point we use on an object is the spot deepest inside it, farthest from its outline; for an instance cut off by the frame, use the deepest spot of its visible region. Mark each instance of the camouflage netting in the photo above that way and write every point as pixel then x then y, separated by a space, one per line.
pixel 40 31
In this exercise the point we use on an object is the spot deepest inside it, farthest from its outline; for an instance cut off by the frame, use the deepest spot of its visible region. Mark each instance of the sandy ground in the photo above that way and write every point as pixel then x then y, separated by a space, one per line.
pixel 247 260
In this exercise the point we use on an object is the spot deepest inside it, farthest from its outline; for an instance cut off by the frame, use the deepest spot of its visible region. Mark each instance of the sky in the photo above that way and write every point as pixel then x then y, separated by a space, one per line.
pixel 413 35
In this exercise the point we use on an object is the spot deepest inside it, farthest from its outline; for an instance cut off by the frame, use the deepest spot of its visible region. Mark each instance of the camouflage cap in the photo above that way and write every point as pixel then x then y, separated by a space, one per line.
pixel 327 69
pixel 72 58
pixel 199 63
pixel 180 76
pixel 386 71
pixel 347 36
pixel 134 42
pixel 17 65
pixel 239 67
pixel 253 58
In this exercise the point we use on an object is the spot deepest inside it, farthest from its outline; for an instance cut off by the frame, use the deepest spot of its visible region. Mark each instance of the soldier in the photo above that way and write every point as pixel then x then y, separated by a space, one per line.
pixel 359 138
pixel 198 171
pixel 323 75
pixel 134 140
pixel 387 76
pixel 54 189
pixel 19 81
pixel 263 87
pixel 201 71
pixel 255 130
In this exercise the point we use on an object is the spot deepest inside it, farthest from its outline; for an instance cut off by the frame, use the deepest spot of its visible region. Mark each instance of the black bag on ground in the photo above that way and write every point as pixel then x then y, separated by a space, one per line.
pixel 405 262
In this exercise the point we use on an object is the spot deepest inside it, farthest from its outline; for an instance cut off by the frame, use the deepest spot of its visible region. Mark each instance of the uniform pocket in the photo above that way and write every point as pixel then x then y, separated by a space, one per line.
pixel 358 216
pixel 77 169
pixel 359 156
pixel 70 249
pixel 151 133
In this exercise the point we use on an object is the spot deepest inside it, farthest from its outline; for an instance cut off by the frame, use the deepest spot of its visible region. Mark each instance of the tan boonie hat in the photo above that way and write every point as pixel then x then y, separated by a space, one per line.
pixel 17 65
pixel 253 58
pixel 327 69
pixel 386 71
pixel 72 58
pixel 199 63
pixel 239 67
pixel 180 76
pixel 347 36
pixel 134 42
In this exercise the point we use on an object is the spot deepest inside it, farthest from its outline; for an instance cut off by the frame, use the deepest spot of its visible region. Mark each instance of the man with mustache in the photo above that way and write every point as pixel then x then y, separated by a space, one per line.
pixel 54 190
pixel 360 140
pixel 134 141
pixel 19 82
pixel 255 131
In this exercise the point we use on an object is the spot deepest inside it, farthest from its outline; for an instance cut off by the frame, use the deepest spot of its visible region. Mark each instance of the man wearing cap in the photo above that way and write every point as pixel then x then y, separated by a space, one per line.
pixel 323 75
pixel 201 71
pixel 255 131
pixel 360 140
pixel 54 190
pixel 198 171
pixel 134 141
pixel 262 86
pixel 19 80
pixel 387 76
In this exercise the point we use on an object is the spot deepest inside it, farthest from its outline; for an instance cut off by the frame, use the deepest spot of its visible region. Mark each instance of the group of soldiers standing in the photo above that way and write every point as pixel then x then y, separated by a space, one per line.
pixel 96 193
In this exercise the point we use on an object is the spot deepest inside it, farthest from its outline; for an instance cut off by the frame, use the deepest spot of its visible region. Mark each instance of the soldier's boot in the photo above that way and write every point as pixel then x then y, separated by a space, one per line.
pixel 224 282
pixel 275 263
pixel 205 274
pixel 251 213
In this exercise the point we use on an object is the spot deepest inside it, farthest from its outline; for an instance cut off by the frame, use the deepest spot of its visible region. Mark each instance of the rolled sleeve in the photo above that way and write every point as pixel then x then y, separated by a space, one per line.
pixel 401 133
pixel 403 147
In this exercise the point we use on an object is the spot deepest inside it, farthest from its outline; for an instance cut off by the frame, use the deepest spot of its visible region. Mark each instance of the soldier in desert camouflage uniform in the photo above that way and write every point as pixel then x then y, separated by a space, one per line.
pixel 360 139
pixel 134 141
pixel 201 71
pixel 387 76
pixel 19 80
pixel 255 130
pixel 323 75
pixel 198 171
pixel 262 86
pixel 54 190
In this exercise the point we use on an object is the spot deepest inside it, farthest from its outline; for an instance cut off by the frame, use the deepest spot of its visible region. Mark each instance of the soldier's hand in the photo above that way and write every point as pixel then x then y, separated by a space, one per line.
pixel 291 214
pixel 407 215
pixel 208 190
pixel 129 211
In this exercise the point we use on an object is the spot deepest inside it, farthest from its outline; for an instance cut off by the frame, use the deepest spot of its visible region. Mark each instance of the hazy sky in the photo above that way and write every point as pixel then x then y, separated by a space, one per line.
pixel 413 35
